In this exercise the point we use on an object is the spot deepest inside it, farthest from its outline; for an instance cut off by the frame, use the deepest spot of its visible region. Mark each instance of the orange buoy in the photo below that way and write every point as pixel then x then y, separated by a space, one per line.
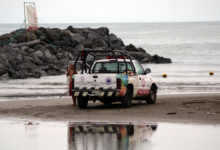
pixel 164 75
pixel 211 73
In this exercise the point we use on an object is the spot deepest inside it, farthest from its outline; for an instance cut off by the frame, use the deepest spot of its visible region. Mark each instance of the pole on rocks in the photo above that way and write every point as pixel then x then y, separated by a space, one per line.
pixel 25 20
pixel 25 25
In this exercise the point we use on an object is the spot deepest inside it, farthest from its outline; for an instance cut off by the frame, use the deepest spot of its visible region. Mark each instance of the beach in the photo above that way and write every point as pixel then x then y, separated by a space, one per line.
pixel 32 116
pixel 193 47
pixel 177 46
pixel 189 94
pixel 180 108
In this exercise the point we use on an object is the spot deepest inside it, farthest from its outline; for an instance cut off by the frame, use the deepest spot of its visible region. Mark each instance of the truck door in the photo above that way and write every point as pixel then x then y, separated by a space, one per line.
pixel 143 88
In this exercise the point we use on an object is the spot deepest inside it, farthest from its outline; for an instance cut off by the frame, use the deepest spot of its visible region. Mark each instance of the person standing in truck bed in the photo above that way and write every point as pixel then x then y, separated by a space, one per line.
pixel 70 73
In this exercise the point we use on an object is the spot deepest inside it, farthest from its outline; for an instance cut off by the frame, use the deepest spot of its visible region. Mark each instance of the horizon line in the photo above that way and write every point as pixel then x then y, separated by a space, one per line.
pixel 214 21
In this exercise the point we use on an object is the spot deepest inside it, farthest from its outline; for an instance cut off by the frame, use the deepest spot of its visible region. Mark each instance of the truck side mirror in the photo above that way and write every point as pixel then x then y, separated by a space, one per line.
pixel 147 70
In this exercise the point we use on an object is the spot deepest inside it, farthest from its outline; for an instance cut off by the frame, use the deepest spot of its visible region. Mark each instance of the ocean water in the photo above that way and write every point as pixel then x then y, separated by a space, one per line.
pixel 193 47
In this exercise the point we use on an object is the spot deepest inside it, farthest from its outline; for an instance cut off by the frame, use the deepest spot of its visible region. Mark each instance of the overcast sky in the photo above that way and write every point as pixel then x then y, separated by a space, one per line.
pixel 82 11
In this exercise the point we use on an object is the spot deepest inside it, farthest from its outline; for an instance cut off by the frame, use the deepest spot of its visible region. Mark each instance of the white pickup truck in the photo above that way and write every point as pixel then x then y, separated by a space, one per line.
pixel 116 79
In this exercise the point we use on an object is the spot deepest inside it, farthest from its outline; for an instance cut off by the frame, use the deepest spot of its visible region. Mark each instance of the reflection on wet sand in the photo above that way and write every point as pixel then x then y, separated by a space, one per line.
pixel 101 136
pixel 109 136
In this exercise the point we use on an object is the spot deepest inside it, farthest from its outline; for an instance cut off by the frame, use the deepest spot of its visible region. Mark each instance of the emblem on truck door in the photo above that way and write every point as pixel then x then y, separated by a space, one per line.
pixel 82 79
pixel 108 80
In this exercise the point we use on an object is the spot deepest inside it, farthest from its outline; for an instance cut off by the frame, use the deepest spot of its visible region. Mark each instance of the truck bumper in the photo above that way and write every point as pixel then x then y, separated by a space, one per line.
pixel 95 93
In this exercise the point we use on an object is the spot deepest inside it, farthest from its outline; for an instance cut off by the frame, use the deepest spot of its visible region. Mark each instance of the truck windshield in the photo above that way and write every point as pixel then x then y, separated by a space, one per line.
pixel 111 67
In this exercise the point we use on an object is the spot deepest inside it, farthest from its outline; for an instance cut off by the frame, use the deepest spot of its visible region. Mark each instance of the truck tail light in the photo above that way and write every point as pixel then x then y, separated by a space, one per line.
pixel 73 83
pixel 118 83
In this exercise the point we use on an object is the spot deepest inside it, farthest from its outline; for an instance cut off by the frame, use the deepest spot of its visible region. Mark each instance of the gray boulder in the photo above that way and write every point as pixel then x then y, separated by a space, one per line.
pixel 3 69
pixel 61 56
pixel 161 60
pixel 131 47
pixel 115 42
pixel 76 38
pixel 99 43
pixel 31 50
pixel 39 47
pixel 37 54
pixel 102 31
pixel 79 47
pixel 73 30
pixel 21 37
pixel 62 43
pixel 93 35
pixel 27 59
pixel 69 49
pixel 43 31
pixel 4 76
pixel 112 37
pixel 53 34
pixel 5 36
pixel 87 43
pixel 141 50
pixel 47 54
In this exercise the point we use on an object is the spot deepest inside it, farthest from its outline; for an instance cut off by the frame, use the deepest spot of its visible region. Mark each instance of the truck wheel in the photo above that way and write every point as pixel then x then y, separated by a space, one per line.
pixel 107 102
pixel 151 99
pixel 82 102
pixel 127 99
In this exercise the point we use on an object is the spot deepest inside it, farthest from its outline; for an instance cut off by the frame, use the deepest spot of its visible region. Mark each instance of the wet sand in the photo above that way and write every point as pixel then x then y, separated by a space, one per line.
pixel 192 108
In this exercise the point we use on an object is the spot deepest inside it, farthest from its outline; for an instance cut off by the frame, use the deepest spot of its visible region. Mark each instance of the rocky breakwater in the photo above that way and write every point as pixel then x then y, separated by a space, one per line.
pixel 47 51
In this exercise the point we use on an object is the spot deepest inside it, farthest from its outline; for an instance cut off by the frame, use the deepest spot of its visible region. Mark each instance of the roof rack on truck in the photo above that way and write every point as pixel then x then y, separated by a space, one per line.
pixel 98 54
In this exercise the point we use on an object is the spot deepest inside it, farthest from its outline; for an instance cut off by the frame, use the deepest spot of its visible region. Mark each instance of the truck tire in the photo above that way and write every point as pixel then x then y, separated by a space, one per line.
pixel 108 103
pixel 127 99
pixel 82 102
pixel 151 99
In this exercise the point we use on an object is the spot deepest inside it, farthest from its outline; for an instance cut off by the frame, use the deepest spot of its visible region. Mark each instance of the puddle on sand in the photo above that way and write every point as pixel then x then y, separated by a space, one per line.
pixel 98 136
pixel 109 136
